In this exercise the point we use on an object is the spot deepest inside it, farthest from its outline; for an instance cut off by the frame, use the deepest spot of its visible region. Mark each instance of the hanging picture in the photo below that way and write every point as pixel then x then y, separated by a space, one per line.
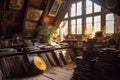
pixel 33 14
pixel 54 10
pixel 29 27
pixel 16 4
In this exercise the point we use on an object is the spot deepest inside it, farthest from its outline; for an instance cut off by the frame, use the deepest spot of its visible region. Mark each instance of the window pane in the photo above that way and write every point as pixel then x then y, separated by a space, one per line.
pixel 73 26
pixel 79 26
pixel 110 27
pixel 97 23
pixel 73 10
pixel 109 16
pixel 61 24
pixel 59 29
pixel 89 25
pixel 97 8
pixel 88 6
pixel 66 15
pixel 63 29
pixel 110 23
pixel 79 8
pixel 66 28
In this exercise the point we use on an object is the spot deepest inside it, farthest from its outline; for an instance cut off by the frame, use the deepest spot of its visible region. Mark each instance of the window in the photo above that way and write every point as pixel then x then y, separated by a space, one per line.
pixel 89 8
pixel 97 8
pixel 76 23
pixel 93 23
pixel 73 25
pixel 109 23
pixel 63 29
pixel 66 15
pixel 79 8
pixel 76 28
pixel 79 26
pixel 85 17
pixel 89 28
pixel 97 23
pixel 73 11
pixel 76 9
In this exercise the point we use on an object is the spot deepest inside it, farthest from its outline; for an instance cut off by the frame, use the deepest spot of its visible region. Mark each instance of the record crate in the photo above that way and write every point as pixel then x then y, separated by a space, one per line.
pixel 84 69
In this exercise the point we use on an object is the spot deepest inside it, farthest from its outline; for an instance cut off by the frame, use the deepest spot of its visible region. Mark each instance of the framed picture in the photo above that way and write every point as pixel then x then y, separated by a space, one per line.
pixel 33 14
pixel 16 4
pixel 54 10
pixel 29 27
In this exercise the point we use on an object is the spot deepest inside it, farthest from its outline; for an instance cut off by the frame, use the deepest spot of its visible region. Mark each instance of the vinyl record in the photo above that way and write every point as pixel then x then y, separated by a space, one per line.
pixel 11 68
pixel 66 56
pixel 24 63
pixel 43 55
pixel 1 75
pixel 8 66
pixel 4 67
pixel 72 54
pixel 58 56
pixel 51 59
pixel 39 63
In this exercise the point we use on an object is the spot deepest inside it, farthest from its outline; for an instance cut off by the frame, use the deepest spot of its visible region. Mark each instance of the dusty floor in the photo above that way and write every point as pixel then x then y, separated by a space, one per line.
pixel 55 73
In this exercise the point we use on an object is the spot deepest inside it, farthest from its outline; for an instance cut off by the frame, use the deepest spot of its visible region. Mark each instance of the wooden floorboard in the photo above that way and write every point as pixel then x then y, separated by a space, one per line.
pixel 39 77
pixel 54 73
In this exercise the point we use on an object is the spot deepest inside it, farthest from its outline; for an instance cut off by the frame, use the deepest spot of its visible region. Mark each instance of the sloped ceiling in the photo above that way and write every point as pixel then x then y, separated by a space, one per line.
pixel 13 21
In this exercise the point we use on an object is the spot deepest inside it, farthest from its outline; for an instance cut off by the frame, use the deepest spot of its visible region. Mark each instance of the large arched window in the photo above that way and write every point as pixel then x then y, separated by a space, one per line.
pixel 86 17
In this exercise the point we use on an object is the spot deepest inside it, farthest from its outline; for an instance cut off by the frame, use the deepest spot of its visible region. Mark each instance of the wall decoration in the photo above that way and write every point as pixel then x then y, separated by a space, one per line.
pixel 16 4
pixel 33 14
pixel 29 27
pixel 54 10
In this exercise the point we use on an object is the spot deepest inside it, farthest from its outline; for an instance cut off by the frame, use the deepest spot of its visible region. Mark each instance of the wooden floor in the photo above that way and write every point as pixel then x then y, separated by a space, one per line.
pixel 55 73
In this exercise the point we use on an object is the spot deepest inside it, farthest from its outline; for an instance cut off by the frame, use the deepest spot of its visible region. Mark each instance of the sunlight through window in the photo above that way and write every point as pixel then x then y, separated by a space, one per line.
pixel 110 23
pixel 73 11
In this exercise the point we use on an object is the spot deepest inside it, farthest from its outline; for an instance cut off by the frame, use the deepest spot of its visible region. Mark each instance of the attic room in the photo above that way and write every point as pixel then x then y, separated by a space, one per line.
pixel 59 40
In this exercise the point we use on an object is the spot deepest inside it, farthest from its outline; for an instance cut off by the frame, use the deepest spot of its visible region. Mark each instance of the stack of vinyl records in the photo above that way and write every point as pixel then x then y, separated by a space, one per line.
pixel 13 66
pixel 7 51
pixel 108 55
pixel 66 56
pixel 64 44
pixel 1 75
pixel 72 54
pixel 32 49
pixel 51 58
pixel 58 57
pixel 84 70
pixel 63 56
pixel 105 71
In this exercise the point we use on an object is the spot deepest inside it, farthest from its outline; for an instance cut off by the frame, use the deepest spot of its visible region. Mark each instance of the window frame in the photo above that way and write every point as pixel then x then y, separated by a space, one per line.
pixel 83 17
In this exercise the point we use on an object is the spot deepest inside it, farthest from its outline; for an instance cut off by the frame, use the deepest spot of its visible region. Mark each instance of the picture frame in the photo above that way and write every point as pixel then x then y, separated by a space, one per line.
pixel 29 27
pixel 16 4
pixel 55 8
pixel 33 14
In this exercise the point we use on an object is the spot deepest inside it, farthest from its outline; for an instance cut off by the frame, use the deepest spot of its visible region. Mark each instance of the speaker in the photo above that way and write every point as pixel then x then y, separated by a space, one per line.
pixel 112 5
